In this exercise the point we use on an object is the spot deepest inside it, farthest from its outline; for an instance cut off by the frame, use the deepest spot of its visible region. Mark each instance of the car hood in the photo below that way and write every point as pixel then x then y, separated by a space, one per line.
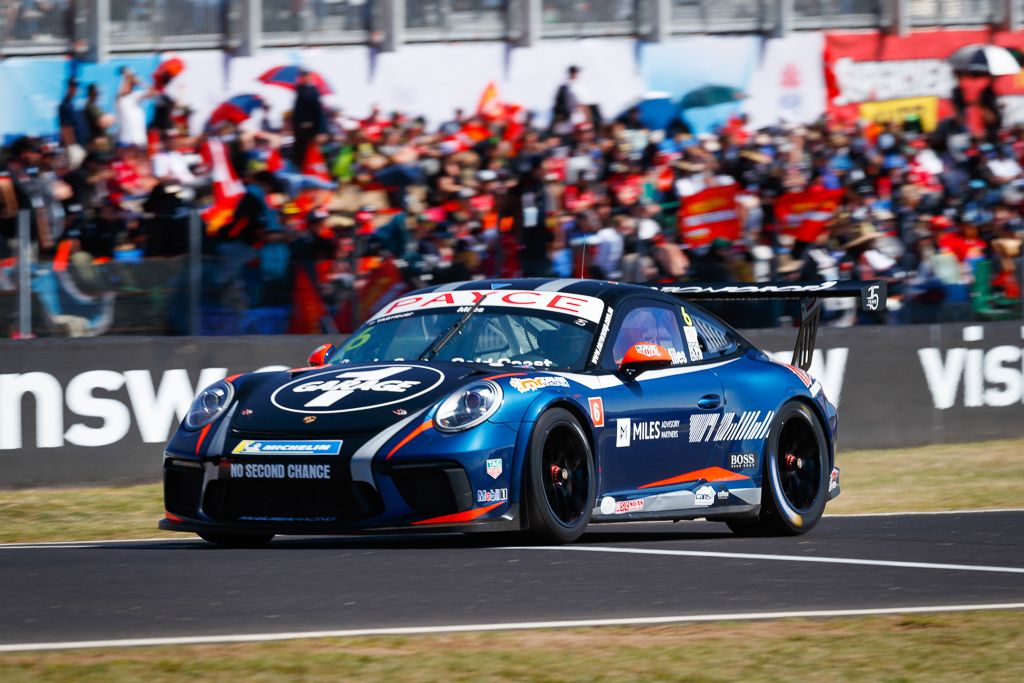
pixel 342 399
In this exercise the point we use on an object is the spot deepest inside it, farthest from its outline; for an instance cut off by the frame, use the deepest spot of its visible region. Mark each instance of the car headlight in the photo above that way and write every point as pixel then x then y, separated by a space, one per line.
pixel 468 407
pixel 209 404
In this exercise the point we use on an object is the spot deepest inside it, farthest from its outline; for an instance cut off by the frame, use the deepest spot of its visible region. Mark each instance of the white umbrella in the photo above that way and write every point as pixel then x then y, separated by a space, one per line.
pixel 989 60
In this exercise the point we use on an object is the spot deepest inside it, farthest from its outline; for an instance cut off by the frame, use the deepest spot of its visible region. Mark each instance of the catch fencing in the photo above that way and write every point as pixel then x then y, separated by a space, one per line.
pixel 98 411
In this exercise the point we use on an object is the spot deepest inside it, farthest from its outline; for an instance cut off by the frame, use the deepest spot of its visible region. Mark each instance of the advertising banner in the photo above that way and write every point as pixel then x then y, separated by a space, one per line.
pixel 788 84
pixel 709 215
pixel 911 75
pixel 100 410
pixel 805 214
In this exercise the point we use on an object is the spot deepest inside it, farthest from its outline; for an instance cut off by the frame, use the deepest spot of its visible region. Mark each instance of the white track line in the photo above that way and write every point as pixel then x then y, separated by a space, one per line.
pixel 908 514
pixel 514 626
pixel 776 558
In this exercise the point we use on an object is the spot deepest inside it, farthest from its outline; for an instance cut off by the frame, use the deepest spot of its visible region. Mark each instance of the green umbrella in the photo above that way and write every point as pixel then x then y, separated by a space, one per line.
pixel 710 95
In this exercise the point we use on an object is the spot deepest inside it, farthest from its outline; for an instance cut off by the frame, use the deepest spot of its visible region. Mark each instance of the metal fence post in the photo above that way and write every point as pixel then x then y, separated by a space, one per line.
pixel 98 30
pixel 900 17
pixel 1011 15
pixel 661 20
pixel 251 27
pixel 531 12
pixel 783 18
pixel 394 24
pixel 24 275
pixel 195 271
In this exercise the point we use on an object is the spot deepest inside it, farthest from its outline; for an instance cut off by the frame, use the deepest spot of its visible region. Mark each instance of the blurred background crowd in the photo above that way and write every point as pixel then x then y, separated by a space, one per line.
pixel 309 223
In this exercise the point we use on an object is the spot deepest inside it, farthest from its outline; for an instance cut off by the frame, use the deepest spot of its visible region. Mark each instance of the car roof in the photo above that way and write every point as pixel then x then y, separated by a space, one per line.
pixel 609 292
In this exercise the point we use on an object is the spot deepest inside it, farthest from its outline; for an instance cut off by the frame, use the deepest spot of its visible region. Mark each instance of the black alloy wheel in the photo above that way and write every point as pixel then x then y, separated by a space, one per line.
pixel 795 474
pixel 560 486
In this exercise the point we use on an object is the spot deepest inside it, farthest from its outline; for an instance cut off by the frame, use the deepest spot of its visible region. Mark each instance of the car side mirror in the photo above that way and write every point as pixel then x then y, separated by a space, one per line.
pixel 321 355
pixel 643 357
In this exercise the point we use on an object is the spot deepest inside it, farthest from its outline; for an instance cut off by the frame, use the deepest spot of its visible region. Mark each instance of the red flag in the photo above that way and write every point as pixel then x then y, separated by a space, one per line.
pixel 227 188
pixel 489 106
pixel 708 215
pixel 314 163
pixel 805 214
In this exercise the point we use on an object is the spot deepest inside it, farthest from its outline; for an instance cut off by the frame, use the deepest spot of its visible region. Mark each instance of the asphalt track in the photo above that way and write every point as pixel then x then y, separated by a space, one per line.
pixel 187 589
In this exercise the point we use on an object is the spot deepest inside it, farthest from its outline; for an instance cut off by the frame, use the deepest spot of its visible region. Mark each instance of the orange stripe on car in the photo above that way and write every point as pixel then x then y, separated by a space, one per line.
pixel 466 516
pixel 412 435
pixel 706 474
pixel 173 518
pixel 202 437
pixel 507 374
pixel 232 378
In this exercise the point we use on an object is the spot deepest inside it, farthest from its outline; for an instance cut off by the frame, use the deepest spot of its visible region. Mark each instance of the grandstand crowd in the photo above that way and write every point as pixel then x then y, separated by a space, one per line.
pixel 309 224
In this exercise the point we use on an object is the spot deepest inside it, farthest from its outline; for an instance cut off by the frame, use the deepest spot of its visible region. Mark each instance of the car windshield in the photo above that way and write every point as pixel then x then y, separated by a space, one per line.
pixel 498 334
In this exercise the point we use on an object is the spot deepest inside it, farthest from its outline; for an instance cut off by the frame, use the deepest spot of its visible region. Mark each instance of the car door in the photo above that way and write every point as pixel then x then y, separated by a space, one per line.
pixel 654 421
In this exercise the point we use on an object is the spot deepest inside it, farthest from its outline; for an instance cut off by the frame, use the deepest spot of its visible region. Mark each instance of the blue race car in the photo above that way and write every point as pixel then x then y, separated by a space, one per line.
pixel 537 405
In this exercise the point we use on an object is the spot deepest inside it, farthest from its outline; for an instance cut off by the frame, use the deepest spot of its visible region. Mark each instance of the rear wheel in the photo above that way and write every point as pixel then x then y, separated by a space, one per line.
pixel 237 540
pixel 559 486
pixel 795 473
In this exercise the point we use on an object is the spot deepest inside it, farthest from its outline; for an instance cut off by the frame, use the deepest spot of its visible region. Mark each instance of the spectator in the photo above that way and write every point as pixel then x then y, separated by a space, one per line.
pixel 308 119
pixel 99 121
pixel 74 128
pixel 131 117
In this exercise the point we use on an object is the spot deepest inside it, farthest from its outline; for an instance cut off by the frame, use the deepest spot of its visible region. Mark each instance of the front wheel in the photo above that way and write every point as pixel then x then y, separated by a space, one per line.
pixel 237 540
pixel 559 486
pixel 795 472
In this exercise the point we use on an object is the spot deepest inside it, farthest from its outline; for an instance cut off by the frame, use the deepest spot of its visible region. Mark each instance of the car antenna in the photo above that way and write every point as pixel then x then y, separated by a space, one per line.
pixel 454 329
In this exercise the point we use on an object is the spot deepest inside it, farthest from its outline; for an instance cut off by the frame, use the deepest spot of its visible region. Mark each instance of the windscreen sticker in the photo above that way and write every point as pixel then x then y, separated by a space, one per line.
pixel 576 305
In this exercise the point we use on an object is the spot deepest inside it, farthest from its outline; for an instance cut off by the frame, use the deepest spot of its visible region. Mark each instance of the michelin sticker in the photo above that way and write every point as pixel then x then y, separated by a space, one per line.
pixel 704 496
pixel 345 391
pixel 253 447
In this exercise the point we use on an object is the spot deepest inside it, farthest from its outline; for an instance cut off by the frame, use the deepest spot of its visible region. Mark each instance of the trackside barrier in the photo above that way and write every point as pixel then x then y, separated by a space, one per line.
pixel 98 410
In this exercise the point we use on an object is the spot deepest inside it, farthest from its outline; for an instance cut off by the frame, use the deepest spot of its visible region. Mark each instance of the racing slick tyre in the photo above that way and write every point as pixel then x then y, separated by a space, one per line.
pixel 237 540
pixel 560 486
pixel 795 473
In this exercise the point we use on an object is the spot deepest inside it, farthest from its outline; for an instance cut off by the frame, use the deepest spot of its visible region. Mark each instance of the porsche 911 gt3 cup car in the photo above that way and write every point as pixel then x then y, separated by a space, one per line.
pixel 538 405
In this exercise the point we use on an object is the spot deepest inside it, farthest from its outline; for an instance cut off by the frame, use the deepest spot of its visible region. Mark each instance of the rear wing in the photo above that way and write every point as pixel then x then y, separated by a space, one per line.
pixel 871 295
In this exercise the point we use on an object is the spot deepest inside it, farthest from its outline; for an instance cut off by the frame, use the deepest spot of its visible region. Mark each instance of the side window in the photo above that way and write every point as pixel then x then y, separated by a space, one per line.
pixel 707 338
pixel 655 324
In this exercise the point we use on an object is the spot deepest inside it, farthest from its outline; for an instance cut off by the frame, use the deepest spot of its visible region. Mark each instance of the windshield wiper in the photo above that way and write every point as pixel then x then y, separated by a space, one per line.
pixel 440 342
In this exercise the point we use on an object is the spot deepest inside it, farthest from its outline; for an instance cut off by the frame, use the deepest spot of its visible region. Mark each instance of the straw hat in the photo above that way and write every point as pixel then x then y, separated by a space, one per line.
pixel 866 232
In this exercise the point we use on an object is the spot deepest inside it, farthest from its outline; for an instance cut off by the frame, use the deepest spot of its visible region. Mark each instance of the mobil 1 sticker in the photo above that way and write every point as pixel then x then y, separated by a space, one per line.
pixel 344 390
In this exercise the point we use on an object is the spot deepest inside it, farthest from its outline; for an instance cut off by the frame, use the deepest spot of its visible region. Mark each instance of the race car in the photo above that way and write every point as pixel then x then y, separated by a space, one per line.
pixel 534 405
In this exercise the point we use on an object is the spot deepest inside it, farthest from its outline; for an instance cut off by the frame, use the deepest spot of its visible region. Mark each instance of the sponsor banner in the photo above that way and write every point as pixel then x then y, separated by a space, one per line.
pixel 925 109
pixel 99 411
pixel 40 83
pixel 805 214
pixel 908 74
pixel 709 215
pixel 493 466
pixel 629 431
pixel 788 85
pixel 491 495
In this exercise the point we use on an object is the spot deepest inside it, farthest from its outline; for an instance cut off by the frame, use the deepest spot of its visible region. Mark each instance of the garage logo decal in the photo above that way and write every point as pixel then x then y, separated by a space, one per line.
pixel 344 391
